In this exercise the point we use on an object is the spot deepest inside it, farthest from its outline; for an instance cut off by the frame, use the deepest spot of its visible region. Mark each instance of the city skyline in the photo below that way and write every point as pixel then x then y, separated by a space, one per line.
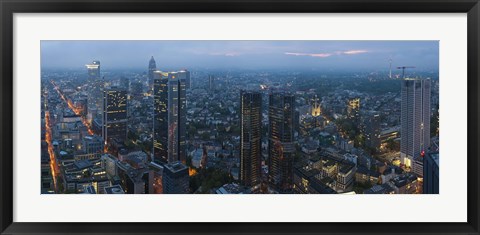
pixel 240 131
pixel 176 55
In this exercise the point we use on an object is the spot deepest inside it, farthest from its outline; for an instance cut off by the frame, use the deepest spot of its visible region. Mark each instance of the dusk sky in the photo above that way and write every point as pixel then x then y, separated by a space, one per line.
pixel 327 55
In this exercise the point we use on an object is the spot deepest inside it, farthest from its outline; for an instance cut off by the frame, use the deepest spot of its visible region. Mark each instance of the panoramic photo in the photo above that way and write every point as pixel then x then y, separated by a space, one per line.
pixel 239 117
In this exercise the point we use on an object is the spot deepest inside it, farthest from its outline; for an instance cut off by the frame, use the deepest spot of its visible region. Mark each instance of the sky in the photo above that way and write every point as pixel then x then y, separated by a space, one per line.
pixel 322 55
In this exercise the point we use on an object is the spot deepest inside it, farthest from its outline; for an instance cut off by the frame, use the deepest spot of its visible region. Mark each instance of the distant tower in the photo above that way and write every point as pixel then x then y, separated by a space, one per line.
pixel 281 144
pixel 115 114
pixel 390 74
pixel 211 83
pixel 152 66
pixel 316 111
pixel 96 86
pixel 415 119
pixel 250 137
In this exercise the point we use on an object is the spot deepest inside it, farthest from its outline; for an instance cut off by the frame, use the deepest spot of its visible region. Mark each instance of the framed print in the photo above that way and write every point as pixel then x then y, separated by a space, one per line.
pixel 244 117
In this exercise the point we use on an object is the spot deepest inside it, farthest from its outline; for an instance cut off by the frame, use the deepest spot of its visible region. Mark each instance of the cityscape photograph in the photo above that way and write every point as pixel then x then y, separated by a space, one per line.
pixel 239 117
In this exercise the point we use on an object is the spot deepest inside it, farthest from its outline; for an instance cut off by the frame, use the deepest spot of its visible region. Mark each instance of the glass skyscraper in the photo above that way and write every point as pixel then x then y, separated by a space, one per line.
pixel 250 137
pixel 169 117
pixel 281 143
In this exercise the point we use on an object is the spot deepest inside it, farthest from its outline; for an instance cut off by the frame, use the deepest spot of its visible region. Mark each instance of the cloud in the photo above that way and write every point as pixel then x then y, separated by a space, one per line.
pixel 230 54
pixel 354 52
pixel 322 55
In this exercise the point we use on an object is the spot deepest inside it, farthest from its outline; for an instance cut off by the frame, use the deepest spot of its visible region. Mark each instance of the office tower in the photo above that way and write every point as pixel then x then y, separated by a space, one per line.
pixel 250 137
pixel 175 178
pixel 152 66
pixel 177 118
pixel 415 119
pixel 371 125
pixel 281 145
pixel 96 86
pixel 160 117
pixel 114 115
pixel 169 117
pixel 431 173
pixel 211 83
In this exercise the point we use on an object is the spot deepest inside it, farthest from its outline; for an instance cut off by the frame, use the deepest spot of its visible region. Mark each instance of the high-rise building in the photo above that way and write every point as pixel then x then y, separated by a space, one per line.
pixel 175 178
pixel 152 66
pixel 415 119
pixel 169 117
pixel 250 137
pixel 96 86
pixel 160 117
pixel 177 117
pixel 115 114
pixel 431 173
pixel 281 145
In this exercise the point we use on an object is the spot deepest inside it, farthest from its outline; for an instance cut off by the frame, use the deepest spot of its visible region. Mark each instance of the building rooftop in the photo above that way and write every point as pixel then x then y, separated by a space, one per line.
pixel 115 189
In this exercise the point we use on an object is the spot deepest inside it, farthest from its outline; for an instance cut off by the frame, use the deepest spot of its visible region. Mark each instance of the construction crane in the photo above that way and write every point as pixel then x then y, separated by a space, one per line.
pixel 403 69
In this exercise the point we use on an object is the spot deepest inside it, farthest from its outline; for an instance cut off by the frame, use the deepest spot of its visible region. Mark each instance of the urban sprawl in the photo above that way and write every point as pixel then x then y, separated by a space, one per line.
pixel 239 131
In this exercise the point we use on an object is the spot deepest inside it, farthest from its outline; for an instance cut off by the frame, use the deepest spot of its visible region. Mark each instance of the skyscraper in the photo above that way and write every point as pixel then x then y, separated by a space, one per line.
pixel 169 117
pixel 415 119
pixel 176 118
pixel 160 117
pixel 152 66
pixel 281 145
pixel 114 114
pixel 250 137
pixel 96 86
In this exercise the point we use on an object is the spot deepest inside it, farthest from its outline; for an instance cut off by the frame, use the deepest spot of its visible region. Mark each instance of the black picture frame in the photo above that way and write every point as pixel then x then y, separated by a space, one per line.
pixel 9 7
